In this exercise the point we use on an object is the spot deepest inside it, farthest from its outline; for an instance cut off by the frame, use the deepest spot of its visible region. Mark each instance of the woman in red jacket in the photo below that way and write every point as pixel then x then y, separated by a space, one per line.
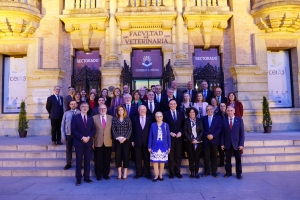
pixel 237 105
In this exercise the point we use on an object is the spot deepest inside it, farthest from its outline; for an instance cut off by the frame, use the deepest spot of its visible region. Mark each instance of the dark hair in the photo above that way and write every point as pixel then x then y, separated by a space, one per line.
pixel 75 93
pixel 134 92
pixel 152 86
pixel 115 90
pixel 235 99
pixel 188 110
pixel 117 111
pixel 91 94
pixel 172 100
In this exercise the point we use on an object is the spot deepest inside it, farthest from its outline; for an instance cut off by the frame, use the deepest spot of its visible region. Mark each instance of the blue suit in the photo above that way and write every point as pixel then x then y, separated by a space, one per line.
pixel 232 139
pixel 152 140
pixel 82 149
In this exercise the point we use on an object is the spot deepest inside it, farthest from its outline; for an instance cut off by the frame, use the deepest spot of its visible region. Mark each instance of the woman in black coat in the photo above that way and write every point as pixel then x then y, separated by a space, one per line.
pixel 193 131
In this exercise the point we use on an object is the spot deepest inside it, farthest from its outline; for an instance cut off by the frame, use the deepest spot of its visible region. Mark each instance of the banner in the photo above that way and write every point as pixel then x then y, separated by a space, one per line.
pixel 15 84
pixel 147 63
pixel 202 57
pixel 279 82
pixel 90 59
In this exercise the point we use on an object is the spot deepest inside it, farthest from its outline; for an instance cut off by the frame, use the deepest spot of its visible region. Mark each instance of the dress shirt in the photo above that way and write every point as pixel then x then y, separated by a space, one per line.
pixel 128 107
pixel 158 97
pixel 210 118
pixel 153 106
pixel 143 123
pixel 175 93
pixel 105 118
pixel 82 115
pixel 232 120
pixel 174 112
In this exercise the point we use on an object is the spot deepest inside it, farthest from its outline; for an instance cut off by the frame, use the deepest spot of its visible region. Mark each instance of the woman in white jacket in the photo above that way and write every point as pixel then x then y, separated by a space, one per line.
pixel 200 105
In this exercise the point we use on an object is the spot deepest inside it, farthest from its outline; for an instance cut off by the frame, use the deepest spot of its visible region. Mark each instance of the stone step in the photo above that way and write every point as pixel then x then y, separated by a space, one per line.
pixel 272 149
pixel 267 143
pixel 262 158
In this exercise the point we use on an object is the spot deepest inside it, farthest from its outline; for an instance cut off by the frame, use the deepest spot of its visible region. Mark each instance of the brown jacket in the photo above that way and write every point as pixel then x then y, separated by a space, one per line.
pixel 102 135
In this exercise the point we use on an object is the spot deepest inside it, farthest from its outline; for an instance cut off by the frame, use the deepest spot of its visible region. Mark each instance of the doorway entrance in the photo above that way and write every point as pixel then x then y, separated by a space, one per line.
pixel 145 82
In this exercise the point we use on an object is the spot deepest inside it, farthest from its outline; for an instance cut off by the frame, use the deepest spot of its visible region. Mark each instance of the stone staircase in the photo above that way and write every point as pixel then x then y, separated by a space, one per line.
pixel 46 160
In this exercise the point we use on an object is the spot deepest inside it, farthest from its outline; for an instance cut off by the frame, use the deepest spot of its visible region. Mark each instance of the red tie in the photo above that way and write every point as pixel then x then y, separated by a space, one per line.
pixel 230 124
pixel 103 122
pixel 84 121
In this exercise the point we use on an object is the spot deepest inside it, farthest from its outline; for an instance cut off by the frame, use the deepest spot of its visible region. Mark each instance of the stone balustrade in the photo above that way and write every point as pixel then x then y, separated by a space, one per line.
pixel 83 4
pixel 207 3
pixel 33 3
pixel 145 3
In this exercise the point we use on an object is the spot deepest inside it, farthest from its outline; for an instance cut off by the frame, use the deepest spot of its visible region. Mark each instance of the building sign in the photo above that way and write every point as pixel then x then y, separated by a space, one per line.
pixel 15 84
pixel 147 37
pixel 146 63
pixel 202 57
pixel 90 59
pixel 279 82
pixel 40 95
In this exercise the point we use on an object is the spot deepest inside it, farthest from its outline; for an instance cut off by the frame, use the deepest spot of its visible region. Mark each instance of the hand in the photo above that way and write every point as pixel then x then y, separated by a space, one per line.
pixel 169 151
pixel 87 139
pixel 64 139
pixel 178 135
pixel 210 136
pixel 222 147
pixel 132 143
pixel 241 147
pixel 195 141
pixel 150 150
pixel 93 146
pixel 173 134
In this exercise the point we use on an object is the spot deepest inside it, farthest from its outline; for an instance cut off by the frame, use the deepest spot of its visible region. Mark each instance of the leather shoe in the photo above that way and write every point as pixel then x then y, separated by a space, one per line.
pixel 161 179
pixel 88 181
pixel 205 175
pixel 106 177
pixel 227 175
pixel 215 175
pixel 154 180
pixel 78 182
pixel 239 177
pixel 136 177
pixel 68 166
pixel 171 176
pixel 197 175
pixel 192 175
pixel 148 176
pixel 179 176
pixel 53 144
pixel 99 179
pixel 59 143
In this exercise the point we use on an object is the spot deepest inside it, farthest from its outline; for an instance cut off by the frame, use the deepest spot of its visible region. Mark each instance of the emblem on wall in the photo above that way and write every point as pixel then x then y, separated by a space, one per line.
pixel 147 61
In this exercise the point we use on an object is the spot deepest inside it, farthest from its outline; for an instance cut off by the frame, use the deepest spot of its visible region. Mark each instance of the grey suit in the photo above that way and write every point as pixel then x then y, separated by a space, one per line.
pixel 66 133
pixel 67 101
pixel 102 141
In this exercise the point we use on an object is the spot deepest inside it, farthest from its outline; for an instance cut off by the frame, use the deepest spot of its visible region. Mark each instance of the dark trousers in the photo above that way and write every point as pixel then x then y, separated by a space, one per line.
pixel 210 157
pixel 55 130
pixel 142 153
pixel 69 146
pixel 86 152
pixel 221 155
pixel 175 155
pixel 122 153
pixel 194 156
pixel 102 157
pixel 238 161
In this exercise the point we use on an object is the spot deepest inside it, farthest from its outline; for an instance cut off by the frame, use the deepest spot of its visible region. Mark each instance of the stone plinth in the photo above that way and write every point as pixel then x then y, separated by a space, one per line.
pixel 111 74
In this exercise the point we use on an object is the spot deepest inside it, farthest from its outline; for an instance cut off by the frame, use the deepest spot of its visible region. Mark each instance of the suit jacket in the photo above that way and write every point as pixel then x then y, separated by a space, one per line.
pixel 133 110
pixel 102 135
pixel 210 94
pixel 179 97
pixel 193 97
pixel 67 101
pixel 215 129
pixel 108 101
pixel 188 130
pixel 95 111
pixel 53 107
pixel 78 130
pixel 114 105
pixel 234 137
pixel 66 123
pixel 140 136
pixel 239 110
pixel 223 100
pixel 161 97
pixel 90 108
pixel 156 109
pixel 177 126
pixel 152 140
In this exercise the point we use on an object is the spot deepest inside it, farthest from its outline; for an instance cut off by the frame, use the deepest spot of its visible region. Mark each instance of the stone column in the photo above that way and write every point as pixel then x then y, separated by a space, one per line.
pixel 112 56
pixel 180 54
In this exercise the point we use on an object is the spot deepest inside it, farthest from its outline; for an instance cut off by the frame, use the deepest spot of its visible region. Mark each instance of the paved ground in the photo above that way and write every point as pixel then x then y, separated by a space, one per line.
pixel 271 185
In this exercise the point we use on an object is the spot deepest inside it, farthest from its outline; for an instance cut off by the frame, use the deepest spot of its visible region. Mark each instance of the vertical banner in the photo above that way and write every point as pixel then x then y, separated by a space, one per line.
pixel 90 59
pixel 203 57
pixel 147 63
pixel 279 82
pixel 15 84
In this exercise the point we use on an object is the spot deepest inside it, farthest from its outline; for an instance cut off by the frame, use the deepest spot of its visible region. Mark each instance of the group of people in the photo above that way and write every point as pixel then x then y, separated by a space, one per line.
pixel 152 127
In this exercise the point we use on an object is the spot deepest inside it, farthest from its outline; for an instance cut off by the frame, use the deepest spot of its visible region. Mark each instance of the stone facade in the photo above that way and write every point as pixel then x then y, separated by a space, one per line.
pixel 49 33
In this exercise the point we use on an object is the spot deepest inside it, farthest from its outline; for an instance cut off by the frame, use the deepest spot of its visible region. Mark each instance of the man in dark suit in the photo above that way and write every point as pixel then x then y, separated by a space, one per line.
pixel 55 109
pixel 164 103
pixel 129 106
pixel 207 94
pixel 83 129
pixel 212 127
pixel 222 113
pixel 158 94
pixel 95 110
pixel 177 93
pixel 191 92
pixel 68 98
pixel 219 97
pixel 233 137
pixel 175 119
pixel 139 140
pixel 152 107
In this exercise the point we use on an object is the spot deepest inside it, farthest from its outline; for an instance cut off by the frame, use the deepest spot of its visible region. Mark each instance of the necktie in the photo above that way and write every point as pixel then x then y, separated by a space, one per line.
pixel 84 121
pixel 204 94
pixel 174 117
pixel 74 112
pixel 157 98
pixel 209 121
pixel 190 92
pixel 151 108
pixel 128 109
pixel 58 99
pixel 230 124
pixel 103 122
pixel 219 100
pixel 143 123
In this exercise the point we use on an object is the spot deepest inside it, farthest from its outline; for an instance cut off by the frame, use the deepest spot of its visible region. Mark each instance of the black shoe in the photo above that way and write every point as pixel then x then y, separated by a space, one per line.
pixel 137 177
pixel 197 175
pixel 88 180
pixel 227 175
pixel 192 175
pixel 59 143
pixel 179 176
pixel 239 177
pixel 78 182
pixel 68 166
pixel 53 144
pixel 205 175
pixel 148 176
pixel 154 180
pixel 99 179
pixel 161 179
pixel 215 175
pixel 106 177
pixel 171 176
